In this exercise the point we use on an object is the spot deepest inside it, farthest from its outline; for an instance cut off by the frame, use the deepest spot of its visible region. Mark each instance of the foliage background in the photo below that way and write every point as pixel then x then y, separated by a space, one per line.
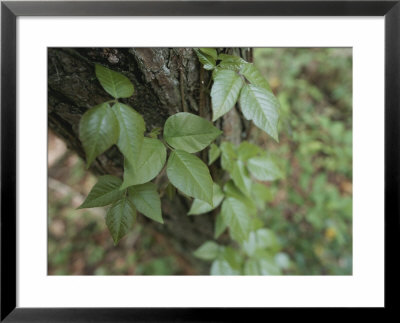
pixel 310 210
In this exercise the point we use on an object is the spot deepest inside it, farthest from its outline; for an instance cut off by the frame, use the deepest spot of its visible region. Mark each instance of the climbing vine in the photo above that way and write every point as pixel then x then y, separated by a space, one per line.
pixel 238 194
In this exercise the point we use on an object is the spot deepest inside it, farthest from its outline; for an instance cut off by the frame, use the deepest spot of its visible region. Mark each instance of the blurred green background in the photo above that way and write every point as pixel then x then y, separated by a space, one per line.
pixel 310 211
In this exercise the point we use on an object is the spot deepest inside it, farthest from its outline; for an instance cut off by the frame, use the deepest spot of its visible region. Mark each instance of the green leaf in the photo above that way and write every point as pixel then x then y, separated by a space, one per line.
pixel 231 62
pixel 232 256
pixel 264 168
pixel 225 92
pixel 221 267
pixel 120 218
pixel 147 164
pixel 212 52
pixel 188 132
pixel 228 156
pixel 261 266
pixel 190 175
pixel 262 107
pixel 266 239
pixel 260 240
pixel 115 84
pixel 261 194
pixel 253 75
pixel 282 260
pixel 208 251
pixel 201 207
pixel 215 72
pixel 231 190
pixel 250 245
pixel 213 153
pixel 146 200
pixel 240 177
pixel 236 216
pixel 247 150
pixel 220 226
pixel 131 130
pixel 251 267
pixel 267 267
pixel 105 191
pixel 207 61
pixel 98 131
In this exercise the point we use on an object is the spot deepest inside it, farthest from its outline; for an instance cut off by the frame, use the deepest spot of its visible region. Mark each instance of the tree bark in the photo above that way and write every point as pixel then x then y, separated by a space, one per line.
pixel 166 81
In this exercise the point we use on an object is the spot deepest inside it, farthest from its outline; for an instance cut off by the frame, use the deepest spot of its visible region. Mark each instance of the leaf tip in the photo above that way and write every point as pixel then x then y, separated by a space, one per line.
pixel 116 240
pixel 89 162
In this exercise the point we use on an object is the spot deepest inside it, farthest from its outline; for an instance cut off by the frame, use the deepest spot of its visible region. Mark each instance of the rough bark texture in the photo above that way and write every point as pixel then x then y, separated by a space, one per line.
pixel 166 81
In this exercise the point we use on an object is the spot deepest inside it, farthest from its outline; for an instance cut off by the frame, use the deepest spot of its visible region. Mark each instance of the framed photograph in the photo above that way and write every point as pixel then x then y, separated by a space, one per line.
pixel 184 160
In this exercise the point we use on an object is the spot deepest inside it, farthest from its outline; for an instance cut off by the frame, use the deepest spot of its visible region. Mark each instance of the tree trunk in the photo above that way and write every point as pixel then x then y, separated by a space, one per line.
pixel 166 81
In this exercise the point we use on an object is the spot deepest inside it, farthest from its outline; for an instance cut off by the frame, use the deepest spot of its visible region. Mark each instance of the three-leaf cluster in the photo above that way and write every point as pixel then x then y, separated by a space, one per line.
pixel 240 195
pixel 237 80
pixel 116 123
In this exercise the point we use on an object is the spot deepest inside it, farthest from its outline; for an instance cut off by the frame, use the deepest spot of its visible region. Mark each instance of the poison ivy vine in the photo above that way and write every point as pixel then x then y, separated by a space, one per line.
pixel 239 195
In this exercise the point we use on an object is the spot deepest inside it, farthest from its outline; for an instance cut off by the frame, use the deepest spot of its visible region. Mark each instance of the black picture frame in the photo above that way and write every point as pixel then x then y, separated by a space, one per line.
pixel 9 13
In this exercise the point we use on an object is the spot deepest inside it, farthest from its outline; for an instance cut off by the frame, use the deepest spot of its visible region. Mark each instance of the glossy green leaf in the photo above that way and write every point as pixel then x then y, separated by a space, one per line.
pixel 268 267
pixel 260 240
pixel 131 130
pixel 212 52
pixel 221 267
pixel 260 106
pixel 256 224
pixel 250 245
pixel 231 62
pixel 201 207
pixel 220 226
pixel 146 200
pixel 213 153
pixel 98 131
pixel 261 194
pixel 190 175
pixel 208 251
pixel 215 71
pixel 266 238
pixel 120 218
pixel 228 155
pixel 241 178
pixel 147 165
pixel 282 260
pixel 205 59
pixel 225 92
pixel 232 256
pixel 247 150
pixel 106 191
pixel 188 132
pixel 261 266
pixel 251 267
pixel 231 190
pixel 237 217
pixel 115 84
pixel 253 75
pixel 264 168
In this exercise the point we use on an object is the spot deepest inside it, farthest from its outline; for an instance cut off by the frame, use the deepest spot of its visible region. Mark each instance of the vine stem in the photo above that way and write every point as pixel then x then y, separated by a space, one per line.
pixel 182 84
pixel 202 112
